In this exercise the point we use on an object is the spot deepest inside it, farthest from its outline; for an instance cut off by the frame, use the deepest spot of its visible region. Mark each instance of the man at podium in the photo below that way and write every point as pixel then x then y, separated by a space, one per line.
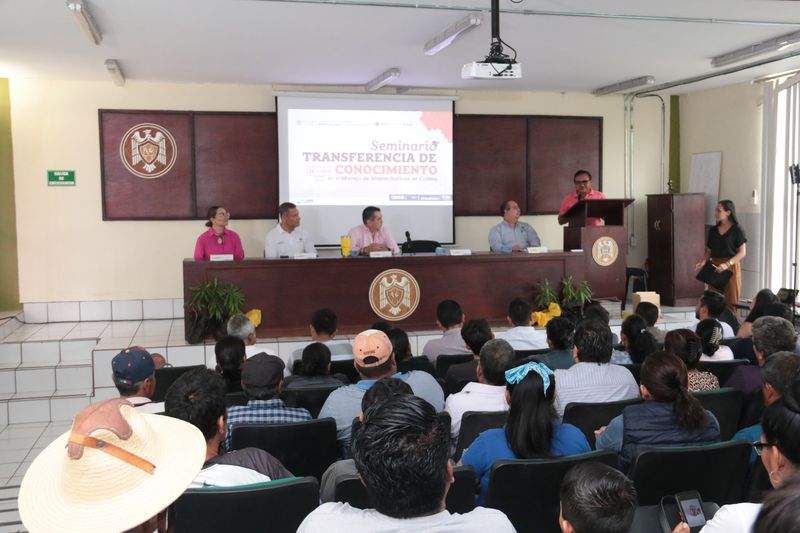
pixel 583 191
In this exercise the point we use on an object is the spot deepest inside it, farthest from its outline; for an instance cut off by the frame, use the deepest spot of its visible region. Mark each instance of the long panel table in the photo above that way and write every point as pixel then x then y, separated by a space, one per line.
pixel 288 291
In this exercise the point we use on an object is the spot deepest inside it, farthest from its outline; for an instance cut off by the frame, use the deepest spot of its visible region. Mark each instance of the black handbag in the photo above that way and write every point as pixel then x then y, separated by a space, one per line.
pixel 708 275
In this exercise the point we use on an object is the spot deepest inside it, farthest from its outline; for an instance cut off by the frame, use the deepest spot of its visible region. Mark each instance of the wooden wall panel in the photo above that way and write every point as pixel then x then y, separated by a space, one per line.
pixel 236 159
pixel 557 147
pixel 127 196
pixel 489 163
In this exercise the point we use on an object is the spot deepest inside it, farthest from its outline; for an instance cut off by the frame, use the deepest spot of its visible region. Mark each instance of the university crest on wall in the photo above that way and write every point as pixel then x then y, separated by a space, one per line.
pixel 148 150
pixel 394 294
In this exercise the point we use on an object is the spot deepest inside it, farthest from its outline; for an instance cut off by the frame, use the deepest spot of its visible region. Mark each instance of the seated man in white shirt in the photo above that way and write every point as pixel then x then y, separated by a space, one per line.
pixel 711 305
pixel 522 335
pixel 288 238
pixel 407 489
pixel 134 375
pixel 489 393
pixel 322 328
pixel 592 378
pixel 450 319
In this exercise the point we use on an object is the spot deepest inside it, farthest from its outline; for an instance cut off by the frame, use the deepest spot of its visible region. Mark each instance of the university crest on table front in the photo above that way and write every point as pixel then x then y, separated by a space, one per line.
pixel 148 150
pixel 605 251
pixel 394 294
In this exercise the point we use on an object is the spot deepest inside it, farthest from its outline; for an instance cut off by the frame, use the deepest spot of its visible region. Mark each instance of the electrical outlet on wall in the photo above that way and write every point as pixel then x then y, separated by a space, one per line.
pixel 632 241
pixel 755 196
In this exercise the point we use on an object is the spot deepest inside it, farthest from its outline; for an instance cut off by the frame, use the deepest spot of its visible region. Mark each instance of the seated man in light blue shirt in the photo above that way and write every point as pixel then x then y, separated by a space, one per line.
pixel 511 235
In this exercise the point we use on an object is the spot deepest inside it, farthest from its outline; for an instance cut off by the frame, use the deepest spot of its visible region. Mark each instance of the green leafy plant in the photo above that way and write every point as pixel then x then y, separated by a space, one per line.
pixel 573 295
pixel 212 304
pixel 545 294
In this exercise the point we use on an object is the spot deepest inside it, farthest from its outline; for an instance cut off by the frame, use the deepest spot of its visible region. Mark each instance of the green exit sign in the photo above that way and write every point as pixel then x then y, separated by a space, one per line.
pixel 60 178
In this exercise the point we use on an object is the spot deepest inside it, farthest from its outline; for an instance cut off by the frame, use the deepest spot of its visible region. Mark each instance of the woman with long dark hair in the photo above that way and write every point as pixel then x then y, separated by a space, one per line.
pixel 670 416
pixel 688 346
pixel 710 332
pixel 637 340
pixel 532 430
pixel 763 298
pixel 218 239
pixel 725 248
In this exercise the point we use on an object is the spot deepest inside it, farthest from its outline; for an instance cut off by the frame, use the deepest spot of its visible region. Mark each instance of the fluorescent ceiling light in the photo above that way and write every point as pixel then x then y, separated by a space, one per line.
pixel 624 85
pixel 84 18
pixel 763 47
pixel 114 70
pixel 382 79
pixel 446 38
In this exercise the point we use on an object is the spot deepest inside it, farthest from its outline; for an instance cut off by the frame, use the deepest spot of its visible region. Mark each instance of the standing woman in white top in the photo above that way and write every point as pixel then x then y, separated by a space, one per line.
pixel 710 333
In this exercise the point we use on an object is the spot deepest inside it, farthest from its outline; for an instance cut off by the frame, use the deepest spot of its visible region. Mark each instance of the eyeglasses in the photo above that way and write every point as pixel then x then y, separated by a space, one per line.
pixel 582 182
pixel 759 446
pixel 223 215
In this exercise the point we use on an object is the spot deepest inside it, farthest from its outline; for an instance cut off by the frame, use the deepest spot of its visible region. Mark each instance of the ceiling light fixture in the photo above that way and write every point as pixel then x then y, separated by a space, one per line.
pixel 624 85
pixel 382 79
pixel 770 45
pixel 84 18
pixel 114 70
pixel 446 38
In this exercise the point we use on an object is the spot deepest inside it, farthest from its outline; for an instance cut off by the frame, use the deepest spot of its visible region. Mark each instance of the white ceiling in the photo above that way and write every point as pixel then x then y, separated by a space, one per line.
pixel 563 45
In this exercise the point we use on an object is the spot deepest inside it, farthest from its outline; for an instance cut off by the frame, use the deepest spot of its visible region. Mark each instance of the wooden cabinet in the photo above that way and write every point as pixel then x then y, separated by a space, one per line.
pixel 676 237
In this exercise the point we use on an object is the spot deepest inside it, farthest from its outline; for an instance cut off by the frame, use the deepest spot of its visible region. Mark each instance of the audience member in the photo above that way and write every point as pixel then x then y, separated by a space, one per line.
pixel 402 454
pixel 374 359
pixel 323 328
pixel 770 335
pixel 489 393
pixel 406 361
pixel 779 448
pixel 241 326
pixel 381 390
pixel 687 346
pixel 559 339
pixel 476 332
pixel 710 333
pixel 198 397
pixel 134 375
pixel 449 318
pixel 532 430
pixel 596 498
pixel 593 378
pixel 637 339
pixel 671 416
pixel 522 335
pixel 711 305
pixel 78 484
pixel 381 325
pixel 315 370
pixel 780 370
pixel 649 311
pixel 159 361
pixel 781 509
pixel 594 310
pixel 757 305
pixel 262 377
pixel 743 348
pixel 231 356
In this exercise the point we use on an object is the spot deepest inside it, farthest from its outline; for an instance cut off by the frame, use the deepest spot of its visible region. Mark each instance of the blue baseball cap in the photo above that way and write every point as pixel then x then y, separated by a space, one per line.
pixel 132 365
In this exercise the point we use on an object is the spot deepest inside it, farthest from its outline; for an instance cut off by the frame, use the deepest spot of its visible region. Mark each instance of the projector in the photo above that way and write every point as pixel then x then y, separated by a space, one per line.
pixel 483 70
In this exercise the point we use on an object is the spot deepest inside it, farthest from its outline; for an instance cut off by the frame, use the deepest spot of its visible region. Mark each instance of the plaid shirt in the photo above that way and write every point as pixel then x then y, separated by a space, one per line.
pixel 262 412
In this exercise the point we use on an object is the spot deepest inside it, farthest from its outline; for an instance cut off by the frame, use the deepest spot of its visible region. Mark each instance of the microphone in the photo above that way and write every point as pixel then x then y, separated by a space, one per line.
pixel 580 197
pixel 408 237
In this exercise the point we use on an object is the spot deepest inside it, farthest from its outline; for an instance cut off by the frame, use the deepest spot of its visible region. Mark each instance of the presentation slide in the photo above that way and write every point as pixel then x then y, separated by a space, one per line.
pixel 340 154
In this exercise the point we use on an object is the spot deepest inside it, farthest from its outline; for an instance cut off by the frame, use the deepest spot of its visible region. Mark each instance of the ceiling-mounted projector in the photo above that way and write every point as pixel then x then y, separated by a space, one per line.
pixel 497 65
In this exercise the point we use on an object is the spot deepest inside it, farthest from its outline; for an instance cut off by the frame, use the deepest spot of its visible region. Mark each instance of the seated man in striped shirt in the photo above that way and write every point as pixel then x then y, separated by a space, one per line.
pixel 593 378
pixel 262 377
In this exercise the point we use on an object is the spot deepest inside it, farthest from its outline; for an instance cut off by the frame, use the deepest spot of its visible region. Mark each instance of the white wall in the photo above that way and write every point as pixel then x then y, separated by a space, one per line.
pixel 67 253
pixel 728 120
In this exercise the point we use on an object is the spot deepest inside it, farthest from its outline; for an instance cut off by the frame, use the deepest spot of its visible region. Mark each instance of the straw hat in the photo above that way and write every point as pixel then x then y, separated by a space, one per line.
pixel 114 470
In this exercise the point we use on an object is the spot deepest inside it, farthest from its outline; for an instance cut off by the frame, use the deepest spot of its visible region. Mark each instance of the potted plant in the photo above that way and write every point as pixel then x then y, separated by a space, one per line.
pixel 575 296
pixel 545 294
pixel 211 305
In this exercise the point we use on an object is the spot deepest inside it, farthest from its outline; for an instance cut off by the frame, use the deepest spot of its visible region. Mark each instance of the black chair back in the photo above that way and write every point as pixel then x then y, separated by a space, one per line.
pixel 283 504
pixel 419 247
pixel 726 404
pixel 347 368
pixel 526 490
pixel 235 398
pixel 531 355
pixel 717 471
pixel 635 369
pixel 445 361
pixel 460 497
pixel 473 423
pixel 305 448
pixel 589 416
pixel 311 399
pixel 722 369
pixel 752 407
pixel 166 376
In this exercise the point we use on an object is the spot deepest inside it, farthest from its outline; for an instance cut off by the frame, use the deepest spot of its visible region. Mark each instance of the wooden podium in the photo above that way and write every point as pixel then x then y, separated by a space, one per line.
pixel 605 247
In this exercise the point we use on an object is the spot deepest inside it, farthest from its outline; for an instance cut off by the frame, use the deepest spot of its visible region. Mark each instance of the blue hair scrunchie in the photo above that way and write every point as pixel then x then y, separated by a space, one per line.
pixel 517 374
